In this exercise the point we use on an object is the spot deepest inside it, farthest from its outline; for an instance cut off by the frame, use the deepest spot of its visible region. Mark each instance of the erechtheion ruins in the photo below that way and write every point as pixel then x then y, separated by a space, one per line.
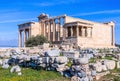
pixel 68 30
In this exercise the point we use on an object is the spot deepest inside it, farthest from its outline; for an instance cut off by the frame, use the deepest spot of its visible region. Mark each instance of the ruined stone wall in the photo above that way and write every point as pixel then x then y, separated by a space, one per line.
pixel 85 42
pixel 101 37
pixel 101 34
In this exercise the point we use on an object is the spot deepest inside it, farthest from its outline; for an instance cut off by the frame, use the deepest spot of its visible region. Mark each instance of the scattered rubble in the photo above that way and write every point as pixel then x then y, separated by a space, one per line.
pixel 17 69
pixel 57 59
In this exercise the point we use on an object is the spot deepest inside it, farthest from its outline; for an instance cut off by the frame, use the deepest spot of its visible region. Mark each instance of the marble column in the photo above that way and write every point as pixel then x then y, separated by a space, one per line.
pixel 66 32
pixel 29 33
pixel 19 38
pixel 54 30
pixel 49 30
pixel 71 31
pixel 58 29
pixel 24 37
pixel 44 29
pixel 77 30
pixel 112 35
pixel 91 33
pixel 83 32
pixel 86 32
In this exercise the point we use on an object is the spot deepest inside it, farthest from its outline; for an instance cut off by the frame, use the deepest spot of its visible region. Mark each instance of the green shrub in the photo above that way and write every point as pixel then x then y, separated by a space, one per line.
pixel 35 41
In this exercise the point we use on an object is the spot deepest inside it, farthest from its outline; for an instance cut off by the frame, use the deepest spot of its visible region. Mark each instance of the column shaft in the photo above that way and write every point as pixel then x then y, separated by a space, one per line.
pixel 29 34
pixel 66 32
pixel 91 33
pixel 48 30
pixel 54 30
pixel 58 29
pixel 83 32
pixel 113 35
pixel 19 38
pixel 71 31
pixel 24 37
pixel 77 29
pixel 44 29
pixel 86 32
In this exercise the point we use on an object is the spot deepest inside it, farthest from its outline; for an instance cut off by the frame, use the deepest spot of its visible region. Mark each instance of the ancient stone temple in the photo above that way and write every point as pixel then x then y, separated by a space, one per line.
pixel 68 30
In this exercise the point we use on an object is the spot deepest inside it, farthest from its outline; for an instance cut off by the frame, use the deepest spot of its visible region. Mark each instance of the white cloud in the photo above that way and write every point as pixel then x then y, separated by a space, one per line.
pixel 9 16
pixel 97 12
pixel 17 20
pixel 54 2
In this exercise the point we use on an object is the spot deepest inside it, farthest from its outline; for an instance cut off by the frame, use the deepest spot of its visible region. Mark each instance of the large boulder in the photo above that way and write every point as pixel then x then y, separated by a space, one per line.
pixel 83 60
pixel 45 59
pixel 61 59
pixel 104 68
pixel 52 53
pixel 118 64
pixel 110 64
pixel 16 69
pixel 98 66
pixel 71 54
pixel 5 66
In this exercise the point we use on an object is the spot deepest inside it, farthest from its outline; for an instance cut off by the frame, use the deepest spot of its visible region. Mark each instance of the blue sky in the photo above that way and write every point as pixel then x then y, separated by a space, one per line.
pixel 13 12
